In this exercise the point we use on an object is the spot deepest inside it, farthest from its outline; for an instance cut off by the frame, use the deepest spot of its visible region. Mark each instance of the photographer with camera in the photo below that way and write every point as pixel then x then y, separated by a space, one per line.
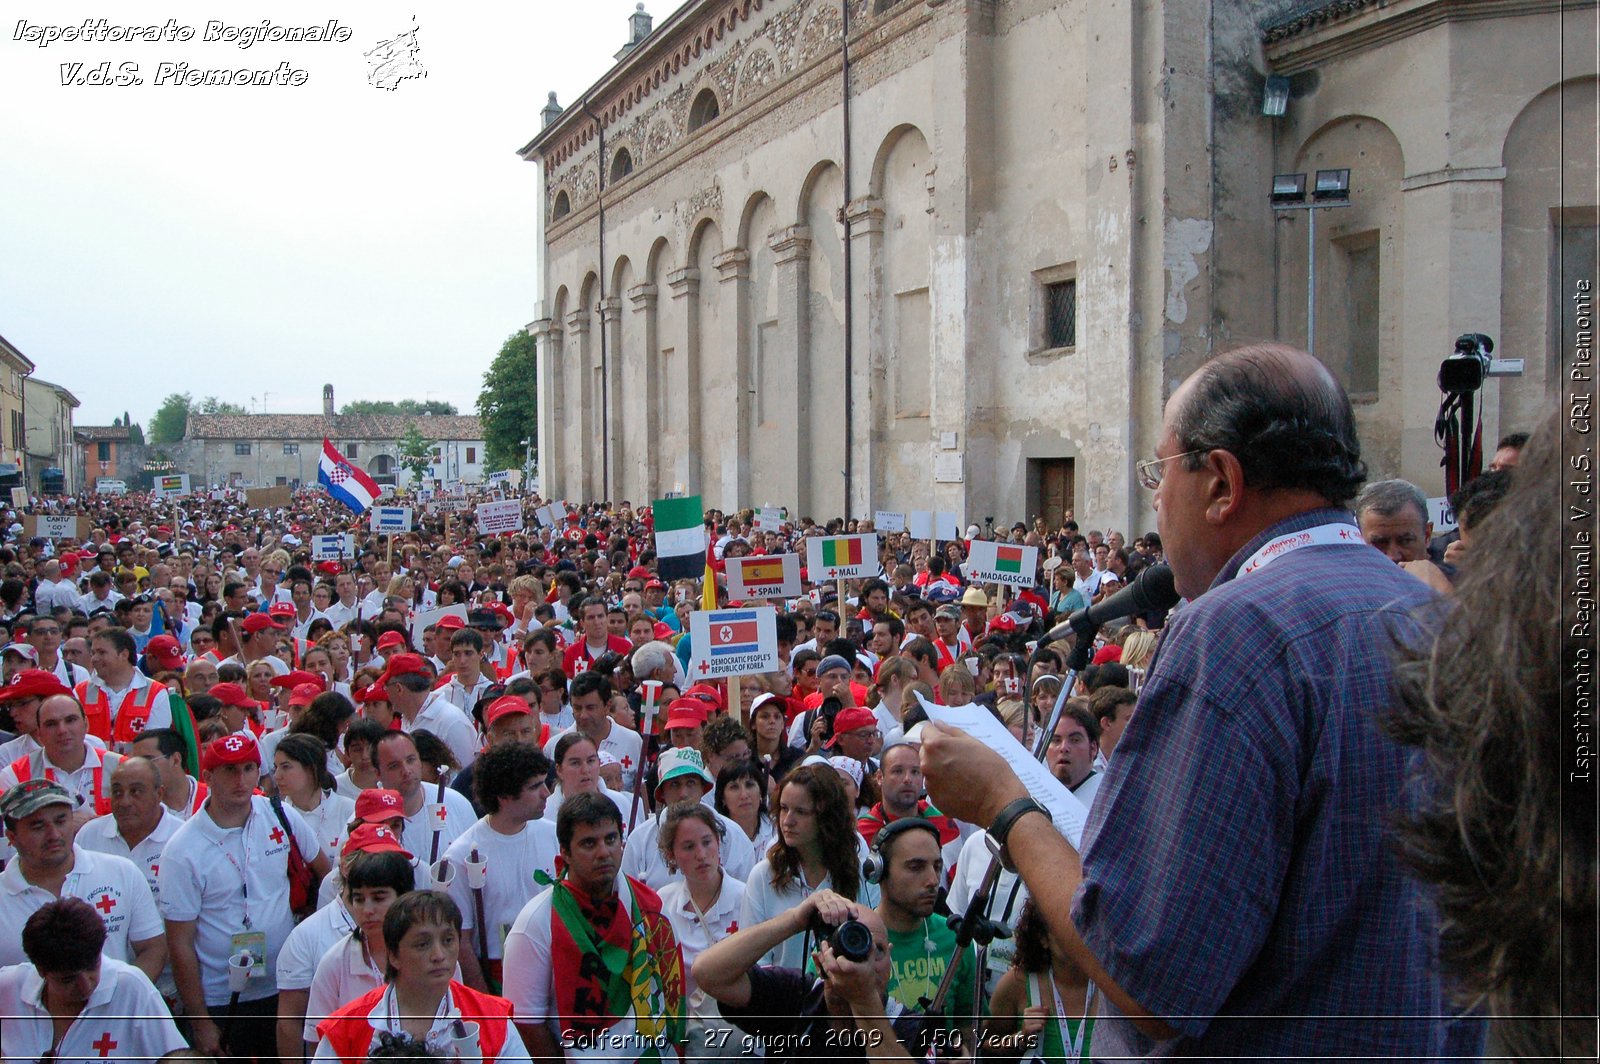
pixel 846 1014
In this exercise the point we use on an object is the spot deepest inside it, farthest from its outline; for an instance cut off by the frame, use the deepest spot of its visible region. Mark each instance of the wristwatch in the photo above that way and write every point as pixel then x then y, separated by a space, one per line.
pixel 995 837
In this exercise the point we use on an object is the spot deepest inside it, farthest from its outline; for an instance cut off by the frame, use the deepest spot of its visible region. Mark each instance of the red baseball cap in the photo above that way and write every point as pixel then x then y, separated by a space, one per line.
pixel 373 692
pixel 449 623
pixel 391 639
pixel 639 572
pixel 373 838
pixel 235 749
pixel 403 665
pixel 655 585
pixel 231 694
pixel 851 718
pixel 502 707
pixel 378 804
pixel 258 622
pixel 1109 652
pixel 707 695
pixel 281 609
pixel 163 650
pixel 304 694
pixel 331 568
pixel 298 677
pixel 33 683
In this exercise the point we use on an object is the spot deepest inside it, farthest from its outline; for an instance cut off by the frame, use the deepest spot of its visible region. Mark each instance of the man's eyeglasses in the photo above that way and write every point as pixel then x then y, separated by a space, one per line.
pixel 1151 470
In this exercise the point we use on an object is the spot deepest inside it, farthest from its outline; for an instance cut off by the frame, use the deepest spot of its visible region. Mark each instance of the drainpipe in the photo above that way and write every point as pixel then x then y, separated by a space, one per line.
pixel 849 273
pixel 605 384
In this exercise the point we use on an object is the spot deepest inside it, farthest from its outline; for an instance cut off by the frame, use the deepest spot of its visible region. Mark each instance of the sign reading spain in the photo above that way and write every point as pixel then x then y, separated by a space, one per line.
pixel 777 576
pixel 841 557
pixel 733 642
pixel 1001 563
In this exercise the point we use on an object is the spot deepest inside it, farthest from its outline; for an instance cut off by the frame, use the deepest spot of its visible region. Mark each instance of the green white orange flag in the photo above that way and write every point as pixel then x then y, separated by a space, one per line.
pixel 1001 563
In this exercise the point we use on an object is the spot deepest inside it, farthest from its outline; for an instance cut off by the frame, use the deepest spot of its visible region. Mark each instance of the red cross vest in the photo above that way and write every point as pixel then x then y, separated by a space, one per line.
pixel 349 1034
pixel 27 767
pixel 131 716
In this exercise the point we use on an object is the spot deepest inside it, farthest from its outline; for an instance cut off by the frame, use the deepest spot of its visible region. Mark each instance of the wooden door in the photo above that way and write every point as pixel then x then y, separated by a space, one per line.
pixel 1055 489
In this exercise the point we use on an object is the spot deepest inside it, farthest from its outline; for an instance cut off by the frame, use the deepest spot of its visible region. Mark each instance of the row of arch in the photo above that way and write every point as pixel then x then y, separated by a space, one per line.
pixel 749 319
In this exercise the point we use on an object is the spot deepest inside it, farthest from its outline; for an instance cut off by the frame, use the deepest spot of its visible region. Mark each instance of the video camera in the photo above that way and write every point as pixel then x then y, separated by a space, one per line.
pixel 1465 369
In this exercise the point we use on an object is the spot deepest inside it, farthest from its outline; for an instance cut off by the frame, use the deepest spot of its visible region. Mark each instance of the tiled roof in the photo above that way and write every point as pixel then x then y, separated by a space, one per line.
pixel 339 427
pixel 1309 16
pixel 101 432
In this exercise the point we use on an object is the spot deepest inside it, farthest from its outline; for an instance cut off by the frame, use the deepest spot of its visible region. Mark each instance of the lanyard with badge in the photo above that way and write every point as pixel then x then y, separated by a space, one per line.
pixel 1334 533
pixel 248 941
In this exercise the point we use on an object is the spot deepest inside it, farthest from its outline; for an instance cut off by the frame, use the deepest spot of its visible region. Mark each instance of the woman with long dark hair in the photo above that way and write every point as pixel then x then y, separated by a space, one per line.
pixel 817 846
pixel 741 796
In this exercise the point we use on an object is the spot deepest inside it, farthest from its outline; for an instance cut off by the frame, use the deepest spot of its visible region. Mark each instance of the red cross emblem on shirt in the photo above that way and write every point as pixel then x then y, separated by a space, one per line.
pixel 276 835
pixel 733 927
pixel 440 815
pixel 627 762
pixel 105 1045
pixel 105 905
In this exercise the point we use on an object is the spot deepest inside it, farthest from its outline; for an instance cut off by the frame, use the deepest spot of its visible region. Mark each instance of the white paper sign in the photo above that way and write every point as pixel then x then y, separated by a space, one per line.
pixel 764 577
pixel 1001 563
pixel 423 618
pixel 332 548
pixel 549 516
pixel 1442 514
pixel 769 519
pixel 841 557
pixel 391 520
pixel 888 521
pixel 497 517
pixel 171 485
pixel 1065 808
pixel 733 642
pixel 924 524
pixel 53 526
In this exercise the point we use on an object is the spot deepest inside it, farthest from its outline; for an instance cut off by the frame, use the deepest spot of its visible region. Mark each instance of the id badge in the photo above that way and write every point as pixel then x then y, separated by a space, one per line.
pixel 255 944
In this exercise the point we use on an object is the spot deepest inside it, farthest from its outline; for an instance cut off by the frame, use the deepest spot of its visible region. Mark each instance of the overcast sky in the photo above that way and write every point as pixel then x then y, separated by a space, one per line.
pixel 255 243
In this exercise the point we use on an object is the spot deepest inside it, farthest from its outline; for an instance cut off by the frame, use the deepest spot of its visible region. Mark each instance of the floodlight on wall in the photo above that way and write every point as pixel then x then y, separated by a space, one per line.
pixel 1331 186
pixel 1275 96
pixel 1288 190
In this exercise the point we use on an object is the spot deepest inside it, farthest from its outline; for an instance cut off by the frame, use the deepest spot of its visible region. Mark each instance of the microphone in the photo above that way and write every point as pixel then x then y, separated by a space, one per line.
pixel 1152 590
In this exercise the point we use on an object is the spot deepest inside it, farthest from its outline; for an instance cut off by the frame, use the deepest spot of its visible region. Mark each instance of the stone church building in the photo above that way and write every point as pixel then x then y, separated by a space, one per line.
pixel 955 254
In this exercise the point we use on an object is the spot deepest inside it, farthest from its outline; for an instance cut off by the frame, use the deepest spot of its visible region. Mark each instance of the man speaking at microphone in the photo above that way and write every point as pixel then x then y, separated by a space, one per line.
pixel 1239 896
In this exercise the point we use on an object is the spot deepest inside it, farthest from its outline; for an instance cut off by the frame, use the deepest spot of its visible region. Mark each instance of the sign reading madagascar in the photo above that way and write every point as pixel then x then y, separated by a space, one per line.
pixel 753 577
pixel 841 557
pixel 733 642
pixel 1001 563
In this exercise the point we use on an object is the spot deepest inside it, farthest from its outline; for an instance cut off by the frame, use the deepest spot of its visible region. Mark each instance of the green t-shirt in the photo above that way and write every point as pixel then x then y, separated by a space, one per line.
pixel 917 970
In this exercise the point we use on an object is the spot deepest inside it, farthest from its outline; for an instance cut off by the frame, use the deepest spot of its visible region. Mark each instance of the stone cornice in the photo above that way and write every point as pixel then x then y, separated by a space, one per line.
pixel 791 243
pixel 1346 27
pixel 684 282
pixel 732 265
pixel 643 296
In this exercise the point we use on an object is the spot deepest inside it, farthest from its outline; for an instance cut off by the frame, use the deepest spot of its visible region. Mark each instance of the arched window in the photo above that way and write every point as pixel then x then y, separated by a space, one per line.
pixel 621 164
pixel 382 468
pixel 563 206
pixel 703 110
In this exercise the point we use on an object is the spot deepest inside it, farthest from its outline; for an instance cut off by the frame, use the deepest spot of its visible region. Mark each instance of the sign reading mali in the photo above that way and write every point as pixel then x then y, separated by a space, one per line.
pixel 841 557
pixel 733 642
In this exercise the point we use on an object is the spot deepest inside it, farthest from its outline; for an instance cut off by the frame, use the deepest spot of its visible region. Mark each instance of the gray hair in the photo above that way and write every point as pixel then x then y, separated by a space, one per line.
pixel 1386 498
pixel 651 657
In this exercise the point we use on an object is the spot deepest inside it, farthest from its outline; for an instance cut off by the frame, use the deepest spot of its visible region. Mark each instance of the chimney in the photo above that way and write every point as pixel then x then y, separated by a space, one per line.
pixel 551 112
pixel 327 400
pixel 638 29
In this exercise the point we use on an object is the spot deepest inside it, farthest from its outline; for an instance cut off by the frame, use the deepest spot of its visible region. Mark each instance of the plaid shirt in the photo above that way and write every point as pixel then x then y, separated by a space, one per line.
pixel 1239 878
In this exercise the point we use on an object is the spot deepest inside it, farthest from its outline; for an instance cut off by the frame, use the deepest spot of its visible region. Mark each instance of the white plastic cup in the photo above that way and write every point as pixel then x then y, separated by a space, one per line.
pixel 441 873
pixel 465 1048
pixel 477 873
pixel 436 816
pixel 239 968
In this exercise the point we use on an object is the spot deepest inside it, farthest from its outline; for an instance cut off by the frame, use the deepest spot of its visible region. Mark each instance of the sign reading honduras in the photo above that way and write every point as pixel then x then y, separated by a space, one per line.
pixel 680 538
pixel 1001 563
pixel 344 481
pixel 777 576
pixel 391 519
pixel 841 557
pixel 733 642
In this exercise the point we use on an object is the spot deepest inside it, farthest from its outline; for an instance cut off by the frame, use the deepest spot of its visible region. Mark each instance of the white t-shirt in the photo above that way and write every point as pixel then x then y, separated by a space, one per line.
pixel 113 885
pixel 311 938
pixel 621 743
pixel 695 936
pixel 417 835
pixel 343 974
pixel 450 725
pixel 762 901
pixel 124 1019
pixel 508 879
pixel 623 802
pixel 641 856
pixel 232 881
pixel 330 820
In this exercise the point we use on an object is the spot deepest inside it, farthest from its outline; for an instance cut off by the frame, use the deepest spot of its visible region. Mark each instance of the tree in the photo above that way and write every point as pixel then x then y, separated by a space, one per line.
pixel 212 405
pixel 171 421
pixel 508 405
pixel 408 407
pixel 416 452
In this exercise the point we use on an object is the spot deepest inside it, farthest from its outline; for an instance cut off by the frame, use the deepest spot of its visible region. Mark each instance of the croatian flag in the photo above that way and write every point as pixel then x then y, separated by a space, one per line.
pixel 345 482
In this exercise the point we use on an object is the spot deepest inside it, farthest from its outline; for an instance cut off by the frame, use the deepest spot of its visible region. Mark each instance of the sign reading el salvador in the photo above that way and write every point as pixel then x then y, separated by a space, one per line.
pixel 391 520
pixel 841 557
pixel 332 548
pixel 733 642
pixel 496 517
pixel 1001 563
pixel 345 482
pixel 171 485
pixel 777 576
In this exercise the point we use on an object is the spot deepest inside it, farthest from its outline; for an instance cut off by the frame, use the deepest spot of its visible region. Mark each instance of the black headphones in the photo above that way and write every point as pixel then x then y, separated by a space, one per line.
pixel 876 864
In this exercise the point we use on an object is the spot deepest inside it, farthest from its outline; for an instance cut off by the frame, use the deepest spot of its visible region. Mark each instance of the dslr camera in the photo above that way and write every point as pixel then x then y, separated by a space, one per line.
pixel 851 940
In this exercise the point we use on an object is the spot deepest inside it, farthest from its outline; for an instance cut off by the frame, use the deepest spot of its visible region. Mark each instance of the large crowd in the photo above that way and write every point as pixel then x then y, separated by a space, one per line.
pixel 262 806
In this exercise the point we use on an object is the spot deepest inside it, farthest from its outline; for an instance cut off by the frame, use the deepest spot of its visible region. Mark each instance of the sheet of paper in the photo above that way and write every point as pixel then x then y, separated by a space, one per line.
pixel 1066 810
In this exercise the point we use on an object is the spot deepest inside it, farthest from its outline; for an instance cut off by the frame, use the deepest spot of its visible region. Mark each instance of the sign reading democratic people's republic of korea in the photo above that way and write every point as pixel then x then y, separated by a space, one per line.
pixel 1001 563
pixel 764 576
pixel 841 557
pixel 497 517
pixel 733 642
